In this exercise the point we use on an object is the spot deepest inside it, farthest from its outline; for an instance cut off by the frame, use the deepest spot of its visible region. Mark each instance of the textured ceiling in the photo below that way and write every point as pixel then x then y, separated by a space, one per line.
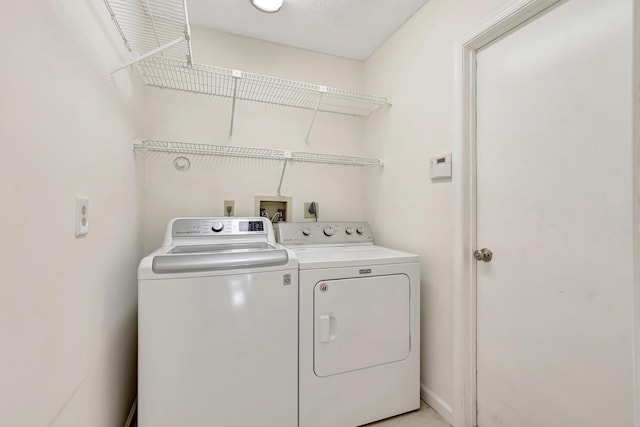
pixel 348 28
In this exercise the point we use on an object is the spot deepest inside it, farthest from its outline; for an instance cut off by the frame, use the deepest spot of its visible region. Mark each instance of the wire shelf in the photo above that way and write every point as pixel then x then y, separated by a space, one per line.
pixel 148 25
pixel 211 150
pixel 335 159
pixel 158 33
pixel 255 153
pixel 205 79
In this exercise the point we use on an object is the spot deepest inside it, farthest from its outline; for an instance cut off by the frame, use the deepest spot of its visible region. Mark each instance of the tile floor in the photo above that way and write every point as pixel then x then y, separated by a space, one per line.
pixel 423 417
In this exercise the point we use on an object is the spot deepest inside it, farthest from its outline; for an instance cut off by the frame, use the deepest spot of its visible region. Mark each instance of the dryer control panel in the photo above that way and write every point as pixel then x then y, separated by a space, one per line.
pixel 319 233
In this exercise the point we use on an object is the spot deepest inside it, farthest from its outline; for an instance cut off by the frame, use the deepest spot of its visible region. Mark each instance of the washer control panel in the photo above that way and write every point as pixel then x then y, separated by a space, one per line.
pixel 317 233
pixel 196 227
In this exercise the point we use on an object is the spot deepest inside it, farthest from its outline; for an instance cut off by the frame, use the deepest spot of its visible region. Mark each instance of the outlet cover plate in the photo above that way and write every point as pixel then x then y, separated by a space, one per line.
pixel 231 203
pixel 306 210
pixel 82 216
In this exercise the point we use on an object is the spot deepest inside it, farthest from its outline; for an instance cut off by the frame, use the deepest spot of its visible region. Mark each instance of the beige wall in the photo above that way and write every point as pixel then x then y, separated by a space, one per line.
pixel 67 305
pixel 407 210
pixel 339 190
pixel 69 316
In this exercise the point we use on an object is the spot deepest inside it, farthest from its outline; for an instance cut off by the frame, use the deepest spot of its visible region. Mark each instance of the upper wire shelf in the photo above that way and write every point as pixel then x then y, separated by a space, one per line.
pixel 256 153
pixel 157 32
pixel 151 27
pixel 205 79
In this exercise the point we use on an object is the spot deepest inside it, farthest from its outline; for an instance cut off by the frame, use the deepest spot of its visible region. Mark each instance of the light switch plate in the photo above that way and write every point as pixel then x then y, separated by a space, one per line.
pixel 82 216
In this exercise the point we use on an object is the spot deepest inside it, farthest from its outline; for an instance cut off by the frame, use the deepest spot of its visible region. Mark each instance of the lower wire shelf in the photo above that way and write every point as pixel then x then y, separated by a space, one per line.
pixel 255 153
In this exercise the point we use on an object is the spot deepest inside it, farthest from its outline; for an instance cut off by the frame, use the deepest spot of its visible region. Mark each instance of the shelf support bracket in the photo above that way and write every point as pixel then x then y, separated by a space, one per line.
pixel 137 143
pixel 287 157
pixel 148 54
pixel 237 74
pixel 322 90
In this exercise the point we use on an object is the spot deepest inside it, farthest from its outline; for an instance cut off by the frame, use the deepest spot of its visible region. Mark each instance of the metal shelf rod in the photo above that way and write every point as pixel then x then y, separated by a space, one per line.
pixel 187 33
pixel 287 157
pixel 117 24
pixel 148 54
pixel 236 76
pixel 322 90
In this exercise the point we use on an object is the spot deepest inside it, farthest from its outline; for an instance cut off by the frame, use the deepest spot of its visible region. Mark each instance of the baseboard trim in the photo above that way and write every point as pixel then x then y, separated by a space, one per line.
pixel 132 412
pixel 437 403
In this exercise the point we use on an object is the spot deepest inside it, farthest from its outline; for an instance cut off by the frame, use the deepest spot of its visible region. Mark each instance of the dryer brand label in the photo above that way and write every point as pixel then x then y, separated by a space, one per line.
pixel 365 271
pixel 286 279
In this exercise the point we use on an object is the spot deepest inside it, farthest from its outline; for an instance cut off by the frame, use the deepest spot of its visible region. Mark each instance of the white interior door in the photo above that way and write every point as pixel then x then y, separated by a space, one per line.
pixel 554 205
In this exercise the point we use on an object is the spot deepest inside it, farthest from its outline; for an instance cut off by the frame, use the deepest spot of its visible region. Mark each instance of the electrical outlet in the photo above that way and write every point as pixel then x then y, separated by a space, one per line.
pixel 229 208
pixel 82 216
pixel 307 214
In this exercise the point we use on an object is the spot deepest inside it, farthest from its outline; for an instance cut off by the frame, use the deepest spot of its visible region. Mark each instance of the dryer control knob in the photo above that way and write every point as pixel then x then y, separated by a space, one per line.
pixel 306 231
pixel 360 230
pixel 328 231
pixel 217 226
pixel 348 230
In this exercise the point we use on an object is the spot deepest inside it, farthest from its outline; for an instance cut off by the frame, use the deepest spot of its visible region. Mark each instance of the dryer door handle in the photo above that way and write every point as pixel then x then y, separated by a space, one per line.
pixel 327 327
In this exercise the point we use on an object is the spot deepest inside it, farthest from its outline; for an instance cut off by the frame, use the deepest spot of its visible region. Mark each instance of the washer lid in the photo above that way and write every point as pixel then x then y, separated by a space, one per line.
pixel 350 256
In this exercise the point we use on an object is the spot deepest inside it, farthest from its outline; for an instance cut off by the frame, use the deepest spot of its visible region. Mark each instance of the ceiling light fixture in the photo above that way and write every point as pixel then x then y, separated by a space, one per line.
pixel 268 6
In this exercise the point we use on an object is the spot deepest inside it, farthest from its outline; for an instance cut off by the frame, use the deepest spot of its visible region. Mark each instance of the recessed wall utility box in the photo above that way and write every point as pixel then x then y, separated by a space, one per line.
pixel 440 167
pixel 276 208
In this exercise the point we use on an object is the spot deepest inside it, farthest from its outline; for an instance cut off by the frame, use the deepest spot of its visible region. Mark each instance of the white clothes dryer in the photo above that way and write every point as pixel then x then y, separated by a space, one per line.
pixel 218 327
pixel 359 319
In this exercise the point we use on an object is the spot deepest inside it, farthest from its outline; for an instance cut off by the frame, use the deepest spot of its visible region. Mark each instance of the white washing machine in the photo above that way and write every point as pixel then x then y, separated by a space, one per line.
pixel 359 348
pixel 218 327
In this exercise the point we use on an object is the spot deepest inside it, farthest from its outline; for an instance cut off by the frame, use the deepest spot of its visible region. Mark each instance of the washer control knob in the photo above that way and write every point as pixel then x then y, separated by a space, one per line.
pixel 217 226
pixel 348 230
pixel 328 231
pixel 360 230
pixel 306 231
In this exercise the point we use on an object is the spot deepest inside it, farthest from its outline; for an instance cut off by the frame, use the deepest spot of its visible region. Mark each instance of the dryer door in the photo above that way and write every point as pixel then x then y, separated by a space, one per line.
pixel 360 323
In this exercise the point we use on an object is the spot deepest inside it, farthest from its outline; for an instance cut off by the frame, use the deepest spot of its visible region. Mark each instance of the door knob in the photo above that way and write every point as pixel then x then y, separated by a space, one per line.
pixel 483 254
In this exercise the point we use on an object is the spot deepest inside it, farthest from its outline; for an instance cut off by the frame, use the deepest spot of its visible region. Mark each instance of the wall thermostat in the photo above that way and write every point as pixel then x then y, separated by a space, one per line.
pixel 440 167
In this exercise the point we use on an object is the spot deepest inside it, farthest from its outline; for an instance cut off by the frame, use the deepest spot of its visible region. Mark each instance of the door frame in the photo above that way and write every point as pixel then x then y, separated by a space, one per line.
pixel 636 209
pixel 464 186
